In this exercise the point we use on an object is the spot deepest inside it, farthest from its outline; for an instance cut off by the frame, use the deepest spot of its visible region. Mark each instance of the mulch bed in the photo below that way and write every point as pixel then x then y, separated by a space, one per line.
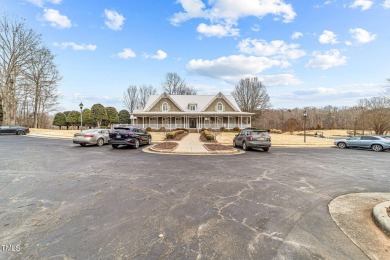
pixel 166 146
pixel 388 211
pixel 217 147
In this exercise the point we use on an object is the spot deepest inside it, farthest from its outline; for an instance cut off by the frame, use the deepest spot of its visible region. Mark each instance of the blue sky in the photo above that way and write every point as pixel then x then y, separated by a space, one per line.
pixel 307 53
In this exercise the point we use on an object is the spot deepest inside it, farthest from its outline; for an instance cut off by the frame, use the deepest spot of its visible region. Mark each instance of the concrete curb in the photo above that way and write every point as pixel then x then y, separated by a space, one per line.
pixel 49 136
pixel 381 218
pixel 160 151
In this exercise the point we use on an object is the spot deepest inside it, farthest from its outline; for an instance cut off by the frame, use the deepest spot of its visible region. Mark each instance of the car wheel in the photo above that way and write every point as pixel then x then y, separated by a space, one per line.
pixel 266 149
pixel 377 147
pixel 341 145
pixel 136 144
pixel 83 145
pixel 20 132
pixel 149 141
pixel 244 146
pixel 115 146
pixel 100 142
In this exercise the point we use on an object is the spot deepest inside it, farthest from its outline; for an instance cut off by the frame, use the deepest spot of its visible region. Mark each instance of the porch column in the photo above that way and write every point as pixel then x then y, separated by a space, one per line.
pixel 170 122
pixel 250 121
pixel 143 122
pixel 157 122
pixel 228 122
pixel 241 122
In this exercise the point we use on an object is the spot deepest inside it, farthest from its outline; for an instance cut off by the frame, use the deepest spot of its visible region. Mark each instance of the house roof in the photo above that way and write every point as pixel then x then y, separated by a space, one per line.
pixel 182 101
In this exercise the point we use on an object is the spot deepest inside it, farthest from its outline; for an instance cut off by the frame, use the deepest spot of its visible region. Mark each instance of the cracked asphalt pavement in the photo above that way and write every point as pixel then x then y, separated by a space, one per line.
pixel 63 201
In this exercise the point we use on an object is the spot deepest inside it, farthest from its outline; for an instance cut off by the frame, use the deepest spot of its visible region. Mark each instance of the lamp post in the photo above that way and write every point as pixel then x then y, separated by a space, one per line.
pixel 304 126
pixel 81 116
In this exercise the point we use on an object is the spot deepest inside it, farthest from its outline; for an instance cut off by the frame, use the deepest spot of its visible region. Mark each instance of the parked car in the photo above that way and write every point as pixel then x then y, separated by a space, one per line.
pixel 376 143
pixel 92 136
pixel 130 136
pixel 253 139
pixel 14 129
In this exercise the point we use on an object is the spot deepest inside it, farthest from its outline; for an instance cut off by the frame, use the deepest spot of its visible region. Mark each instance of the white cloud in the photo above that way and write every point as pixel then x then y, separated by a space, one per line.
pixel 126 54
pixel 56 19
pixel 114 20
pixel 255 28
pixel 41 3
pixel 327 60
pixel 362 4
pixel 280 80
pixel 296 35
pixel 328 37
pixel 75 46
pixel 386 4
pixel 361 35
pixel 228 12
pixel 277 48
pixel 160 55
pixel 217 30
pixel 232 68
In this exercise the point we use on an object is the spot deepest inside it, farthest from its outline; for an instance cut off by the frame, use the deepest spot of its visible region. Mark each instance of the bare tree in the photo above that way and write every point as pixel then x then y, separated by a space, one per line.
pixel 376 113
pixel 17 42
pixel 175 85
pixel 130 98
pixel 43 77
pixel 251 95
pixel 144 92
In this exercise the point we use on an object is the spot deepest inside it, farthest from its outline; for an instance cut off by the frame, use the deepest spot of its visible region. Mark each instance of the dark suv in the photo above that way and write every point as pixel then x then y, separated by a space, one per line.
pixel 130 136
pixel 252 138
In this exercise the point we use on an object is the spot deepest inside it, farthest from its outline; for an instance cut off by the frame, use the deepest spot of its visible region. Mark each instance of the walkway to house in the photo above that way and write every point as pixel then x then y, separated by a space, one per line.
pixel 191 145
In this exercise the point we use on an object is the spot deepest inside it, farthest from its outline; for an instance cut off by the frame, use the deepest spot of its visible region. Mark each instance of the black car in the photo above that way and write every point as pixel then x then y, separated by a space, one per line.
pixel 14 129
pixel 130 136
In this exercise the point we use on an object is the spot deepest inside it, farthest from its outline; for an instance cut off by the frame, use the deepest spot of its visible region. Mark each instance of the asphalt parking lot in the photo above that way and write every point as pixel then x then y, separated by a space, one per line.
pixel 64 201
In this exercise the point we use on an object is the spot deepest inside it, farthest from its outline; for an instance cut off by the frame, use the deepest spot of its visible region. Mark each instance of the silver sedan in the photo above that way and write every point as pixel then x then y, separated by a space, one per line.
pixel 92 136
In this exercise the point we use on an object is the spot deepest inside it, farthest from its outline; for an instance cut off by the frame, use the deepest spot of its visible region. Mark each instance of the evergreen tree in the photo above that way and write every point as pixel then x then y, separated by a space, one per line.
pixel 98 114
pixel 59 120
pixel 124 117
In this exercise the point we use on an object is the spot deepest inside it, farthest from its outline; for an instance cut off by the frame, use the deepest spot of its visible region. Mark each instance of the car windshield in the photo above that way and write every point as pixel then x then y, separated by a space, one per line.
pixel 89 131
pixel 124 128
pixel 258 133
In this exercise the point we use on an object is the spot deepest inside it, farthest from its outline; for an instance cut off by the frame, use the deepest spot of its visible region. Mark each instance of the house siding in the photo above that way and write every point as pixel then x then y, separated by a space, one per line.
pixel 213 106
pixel 157 107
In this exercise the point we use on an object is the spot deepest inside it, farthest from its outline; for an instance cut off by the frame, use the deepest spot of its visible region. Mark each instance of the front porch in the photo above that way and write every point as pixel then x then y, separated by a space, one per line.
pixel 193 122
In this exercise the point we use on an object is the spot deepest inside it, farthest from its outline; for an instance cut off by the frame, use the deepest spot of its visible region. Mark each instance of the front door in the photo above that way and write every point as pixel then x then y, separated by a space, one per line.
pixel 192 122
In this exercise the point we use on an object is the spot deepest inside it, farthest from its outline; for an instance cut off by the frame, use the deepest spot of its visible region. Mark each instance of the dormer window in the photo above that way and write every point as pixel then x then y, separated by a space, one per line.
pixel 192 107
pixel 164 107
pixel 219 107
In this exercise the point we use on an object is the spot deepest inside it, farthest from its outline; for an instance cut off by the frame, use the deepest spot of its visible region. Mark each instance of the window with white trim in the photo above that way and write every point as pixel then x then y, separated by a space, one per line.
pixel 219 107
pixel 164 107
pixel 192 107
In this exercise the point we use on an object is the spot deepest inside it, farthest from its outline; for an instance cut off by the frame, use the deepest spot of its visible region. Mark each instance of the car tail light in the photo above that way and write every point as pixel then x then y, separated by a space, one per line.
pixel 249 137
pixel 89 135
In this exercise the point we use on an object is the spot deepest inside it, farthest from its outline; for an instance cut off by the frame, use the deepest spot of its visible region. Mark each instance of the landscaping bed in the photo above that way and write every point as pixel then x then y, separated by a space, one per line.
pixel 217 147
pixel 166 146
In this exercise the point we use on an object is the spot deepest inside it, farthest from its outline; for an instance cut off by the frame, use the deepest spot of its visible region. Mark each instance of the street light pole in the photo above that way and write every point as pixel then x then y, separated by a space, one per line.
pixel 81 116
pixel 304 126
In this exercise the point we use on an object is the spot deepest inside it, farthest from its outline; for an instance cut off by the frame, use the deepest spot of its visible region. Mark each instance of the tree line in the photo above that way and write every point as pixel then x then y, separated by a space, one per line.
pixel 28 75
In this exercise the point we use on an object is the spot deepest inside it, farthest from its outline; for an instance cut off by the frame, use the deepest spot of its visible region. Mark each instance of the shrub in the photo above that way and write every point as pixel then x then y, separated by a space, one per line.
pixel 173 134
pixel 209 136
pixel 148 129
pixel 236 129
pixel 222 129
pixel 162 129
